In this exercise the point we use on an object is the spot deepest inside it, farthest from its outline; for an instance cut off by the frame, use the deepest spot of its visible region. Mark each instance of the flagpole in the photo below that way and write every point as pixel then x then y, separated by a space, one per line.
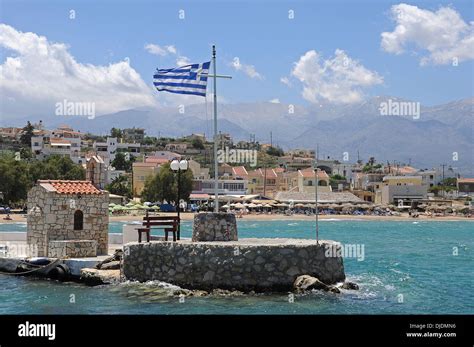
pixel 216 169
pixel 316 192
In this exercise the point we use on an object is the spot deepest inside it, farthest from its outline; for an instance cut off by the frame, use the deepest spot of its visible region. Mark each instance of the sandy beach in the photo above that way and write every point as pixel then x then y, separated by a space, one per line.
pixel 15 218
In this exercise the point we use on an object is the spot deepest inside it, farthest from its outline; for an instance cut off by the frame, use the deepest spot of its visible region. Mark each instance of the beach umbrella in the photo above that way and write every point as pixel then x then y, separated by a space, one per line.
pixel 225 206
pixel 299 205
pixel 130 204
pixel 239 206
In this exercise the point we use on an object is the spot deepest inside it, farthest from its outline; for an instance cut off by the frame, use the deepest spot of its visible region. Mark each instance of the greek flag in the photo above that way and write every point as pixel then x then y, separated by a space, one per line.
pixel 188 79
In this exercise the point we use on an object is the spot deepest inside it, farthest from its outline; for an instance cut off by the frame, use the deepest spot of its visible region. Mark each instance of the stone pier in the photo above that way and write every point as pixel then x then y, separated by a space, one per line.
pixel 247 264
pixel 215 259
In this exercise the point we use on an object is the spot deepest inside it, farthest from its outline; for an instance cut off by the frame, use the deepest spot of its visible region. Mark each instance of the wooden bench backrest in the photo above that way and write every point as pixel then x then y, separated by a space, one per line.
pixel 150 221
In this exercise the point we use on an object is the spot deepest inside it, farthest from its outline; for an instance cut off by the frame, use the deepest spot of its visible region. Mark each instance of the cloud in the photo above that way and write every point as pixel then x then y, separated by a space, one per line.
pixel 274 101
pixel 38 73
pixel 163 51
pixel 249 70
pixel 286 81
pixel 159 50
pixel 339 79
pixel 443 34
pixel 182 61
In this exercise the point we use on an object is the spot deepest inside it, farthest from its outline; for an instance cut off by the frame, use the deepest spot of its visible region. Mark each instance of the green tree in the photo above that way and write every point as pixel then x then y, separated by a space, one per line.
pixel 121 163
pixel 151 189
pixel 116 132
pixel 14 182
pixel 120 186
pixel 197 143
pixel 163 186
pixel 56 168
pixel 275 151
pixel 25 137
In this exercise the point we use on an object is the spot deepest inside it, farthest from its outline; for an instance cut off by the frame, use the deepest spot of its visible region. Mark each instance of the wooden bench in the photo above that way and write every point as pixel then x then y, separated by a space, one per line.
pixel 170 224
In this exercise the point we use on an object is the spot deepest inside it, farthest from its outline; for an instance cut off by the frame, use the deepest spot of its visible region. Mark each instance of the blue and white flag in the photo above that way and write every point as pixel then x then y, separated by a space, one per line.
pixel 188 79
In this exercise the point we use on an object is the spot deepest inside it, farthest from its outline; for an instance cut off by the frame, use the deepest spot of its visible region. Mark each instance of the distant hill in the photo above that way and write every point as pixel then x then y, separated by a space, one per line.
pixel 426 142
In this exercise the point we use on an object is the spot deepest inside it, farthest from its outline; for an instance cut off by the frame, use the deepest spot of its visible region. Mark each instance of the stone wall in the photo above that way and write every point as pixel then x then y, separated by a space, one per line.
pixel 51 217
pixel 72 249
pixel 248 264
pixel 214 227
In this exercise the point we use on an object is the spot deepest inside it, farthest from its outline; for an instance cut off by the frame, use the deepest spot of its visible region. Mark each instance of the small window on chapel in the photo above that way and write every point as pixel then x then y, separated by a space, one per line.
pixel 78 220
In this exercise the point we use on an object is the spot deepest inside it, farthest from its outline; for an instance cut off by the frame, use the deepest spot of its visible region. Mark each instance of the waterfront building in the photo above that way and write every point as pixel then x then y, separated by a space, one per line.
pixel 304 181
pixel 225 186
pixel 465 186
pixel 63 213
pixel 401 190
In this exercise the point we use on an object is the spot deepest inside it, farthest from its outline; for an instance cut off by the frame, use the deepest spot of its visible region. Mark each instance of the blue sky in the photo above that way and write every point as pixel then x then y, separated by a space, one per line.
pixel 259 33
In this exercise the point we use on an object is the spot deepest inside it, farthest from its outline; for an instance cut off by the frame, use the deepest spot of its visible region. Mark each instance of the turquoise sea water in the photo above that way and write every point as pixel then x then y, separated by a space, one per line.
pixel 409 267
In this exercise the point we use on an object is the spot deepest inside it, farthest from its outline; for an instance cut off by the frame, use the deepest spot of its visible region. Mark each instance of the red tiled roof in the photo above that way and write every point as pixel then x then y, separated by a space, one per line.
pixel 240 171
pixel 59 140
pixel 156 160
pixel 141 164
pixel 309 173
pixel 465 180
pixel 69 187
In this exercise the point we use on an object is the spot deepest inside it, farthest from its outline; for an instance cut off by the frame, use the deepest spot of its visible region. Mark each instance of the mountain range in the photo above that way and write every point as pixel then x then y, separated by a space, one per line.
pixel 440 135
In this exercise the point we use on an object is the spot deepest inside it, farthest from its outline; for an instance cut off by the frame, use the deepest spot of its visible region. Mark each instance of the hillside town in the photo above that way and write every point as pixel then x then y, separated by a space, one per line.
pixel 259 175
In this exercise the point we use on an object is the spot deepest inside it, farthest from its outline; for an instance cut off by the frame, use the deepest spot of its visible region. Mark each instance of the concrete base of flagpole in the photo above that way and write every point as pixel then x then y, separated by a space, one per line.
pixel 214 226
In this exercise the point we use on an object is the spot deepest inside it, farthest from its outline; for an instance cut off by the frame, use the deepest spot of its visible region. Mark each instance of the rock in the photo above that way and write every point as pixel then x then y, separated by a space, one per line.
pixel 350 286
pixel 305 283
pixel 113 265
pixel 333 289
pixel 96 277
pixel 118 254
pixel 182 292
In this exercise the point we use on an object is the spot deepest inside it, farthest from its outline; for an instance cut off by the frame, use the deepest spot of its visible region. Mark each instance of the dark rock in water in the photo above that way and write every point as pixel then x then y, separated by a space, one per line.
pixel 350 286
pixel 224 292
pixel 117 257
pixel 188 292
pixel 96 277
pixel 113 265
pixel 305 283
pixel 333 289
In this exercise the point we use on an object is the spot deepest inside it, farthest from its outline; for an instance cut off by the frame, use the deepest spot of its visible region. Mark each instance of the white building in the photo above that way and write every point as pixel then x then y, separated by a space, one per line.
pixel 225 187
pixel 109 149
pixel 63 141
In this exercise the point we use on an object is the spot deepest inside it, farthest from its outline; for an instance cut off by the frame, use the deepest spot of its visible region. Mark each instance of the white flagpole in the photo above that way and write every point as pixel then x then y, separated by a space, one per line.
pixel 316 192
pixel 216 169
